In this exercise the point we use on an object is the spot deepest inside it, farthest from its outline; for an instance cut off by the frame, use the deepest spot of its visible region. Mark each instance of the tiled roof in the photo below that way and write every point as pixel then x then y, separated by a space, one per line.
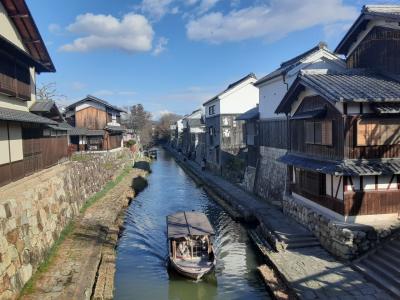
pixel 231 86
pixel 345 167
pixel 290 64
pixel 94 99
pixel 386 108
pixel 354 87
pixel 42 106
pixel 251 114
pixel 61 126
pixel 351 86
pixel 114 128
pixel 7 114
pixel 84 131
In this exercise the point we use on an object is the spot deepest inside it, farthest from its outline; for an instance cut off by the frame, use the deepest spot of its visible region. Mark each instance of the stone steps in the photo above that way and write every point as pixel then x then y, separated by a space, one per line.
pixel 383 266
pixel 259 241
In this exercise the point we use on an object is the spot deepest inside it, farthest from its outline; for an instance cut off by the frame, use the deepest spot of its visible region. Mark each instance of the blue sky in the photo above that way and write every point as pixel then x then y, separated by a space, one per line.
pixel 173 55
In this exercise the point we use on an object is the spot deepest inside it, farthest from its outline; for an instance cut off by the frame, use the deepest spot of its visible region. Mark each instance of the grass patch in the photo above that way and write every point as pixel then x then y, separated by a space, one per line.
pixel 44 266
pixel 80 157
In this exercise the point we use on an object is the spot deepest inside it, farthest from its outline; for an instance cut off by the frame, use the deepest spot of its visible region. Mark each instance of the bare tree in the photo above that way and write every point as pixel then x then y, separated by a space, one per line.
pixel 48 91
pixel 162 130
pixel 139 120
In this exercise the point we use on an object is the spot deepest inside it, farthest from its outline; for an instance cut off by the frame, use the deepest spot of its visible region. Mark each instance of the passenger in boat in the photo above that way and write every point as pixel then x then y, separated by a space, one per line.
pixel 183 248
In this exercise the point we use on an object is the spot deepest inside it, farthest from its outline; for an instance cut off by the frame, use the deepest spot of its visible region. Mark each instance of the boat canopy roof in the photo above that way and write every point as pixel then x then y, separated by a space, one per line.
pixel 188 223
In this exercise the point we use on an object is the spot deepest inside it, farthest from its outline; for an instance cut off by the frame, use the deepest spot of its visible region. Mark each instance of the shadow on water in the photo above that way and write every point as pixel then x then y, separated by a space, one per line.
pixel 142 165
pixel 142 271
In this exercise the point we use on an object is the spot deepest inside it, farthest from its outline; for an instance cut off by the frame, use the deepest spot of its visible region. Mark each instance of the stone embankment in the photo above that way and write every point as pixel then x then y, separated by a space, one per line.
pixel 84 265
pixel 35 210
pixel 292 253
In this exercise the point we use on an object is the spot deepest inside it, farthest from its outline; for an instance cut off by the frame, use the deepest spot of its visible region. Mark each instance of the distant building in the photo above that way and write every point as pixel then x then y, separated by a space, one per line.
pixel 224 135
pixel 97 124
pixel 193 135
pixel 30 139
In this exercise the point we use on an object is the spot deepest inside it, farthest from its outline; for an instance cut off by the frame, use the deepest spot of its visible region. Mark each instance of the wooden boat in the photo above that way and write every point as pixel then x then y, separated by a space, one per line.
pixel 190 247
pixel 153 154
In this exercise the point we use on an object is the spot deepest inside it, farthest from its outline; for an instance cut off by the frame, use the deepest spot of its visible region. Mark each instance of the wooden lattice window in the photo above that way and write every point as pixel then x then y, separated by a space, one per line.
pixel 378 132
pixel 319 132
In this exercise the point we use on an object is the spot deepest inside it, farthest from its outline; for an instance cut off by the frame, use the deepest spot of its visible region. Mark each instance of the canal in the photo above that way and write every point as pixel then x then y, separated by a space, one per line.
pixel 142 250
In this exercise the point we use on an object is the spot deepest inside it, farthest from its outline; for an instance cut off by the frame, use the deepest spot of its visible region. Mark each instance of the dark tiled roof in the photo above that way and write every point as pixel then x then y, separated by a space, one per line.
pixel 61 126
pixel 114 128
pixel 231 86
pixel 290 64
pixel 346 167
pixel 368 13
pixel 94 99
pixel 195 122
pixel 251 114
pixel 352 86
pixel 7 114
pixel 386 108
pixel 42 106
pixel 84 131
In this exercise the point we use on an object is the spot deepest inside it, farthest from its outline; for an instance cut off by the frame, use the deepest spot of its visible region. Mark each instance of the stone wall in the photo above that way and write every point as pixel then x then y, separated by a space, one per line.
pixel 271 174
pixel 344 240
pixel 34 211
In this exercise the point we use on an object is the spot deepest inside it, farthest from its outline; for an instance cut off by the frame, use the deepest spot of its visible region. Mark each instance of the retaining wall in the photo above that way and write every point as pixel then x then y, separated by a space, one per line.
pixel 35 210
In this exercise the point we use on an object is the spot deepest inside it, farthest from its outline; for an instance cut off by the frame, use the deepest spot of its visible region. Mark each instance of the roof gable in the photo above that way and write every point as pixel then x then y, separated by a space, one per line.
pixel 389 13
pixel 250 76
pixel 315 53
pixel 90 98
pixel 22 19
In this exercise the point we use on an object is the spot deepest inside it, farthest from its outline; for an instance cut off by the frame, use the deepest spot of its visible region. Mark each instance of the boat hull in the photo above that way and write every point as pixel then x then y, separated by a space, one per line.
pixel 191 273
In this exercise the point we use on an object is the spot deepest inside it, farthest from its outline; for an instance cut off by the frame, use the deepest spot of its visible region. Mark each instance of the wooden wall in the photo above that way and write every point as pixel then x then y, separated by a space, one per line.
pixel 352 150
pixel 372 202
pixel 39 153
pixel 298 135
pixel 273 133
pixel 91 118
pixel 379 50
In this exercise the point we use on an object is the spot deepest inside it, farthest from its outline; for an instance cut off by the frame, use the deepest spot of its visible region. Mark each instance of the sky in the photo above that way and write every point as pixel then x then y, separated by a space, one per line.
pixel 173 55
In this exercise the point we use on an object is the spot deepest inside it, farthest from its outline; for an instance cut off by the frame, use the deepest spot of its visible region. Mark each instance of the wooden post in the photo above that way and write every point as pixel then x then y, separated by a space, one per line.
pixel 191 249
pixel 174 249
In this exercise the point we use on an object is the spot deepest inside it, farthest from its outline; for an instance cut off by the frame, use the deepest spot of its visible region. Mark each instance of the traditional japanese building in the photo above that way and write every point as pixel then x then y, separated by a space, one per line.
pixel 224 135
pixel 193 135
pixel 29 140
pixel 97 124
pixel 344 127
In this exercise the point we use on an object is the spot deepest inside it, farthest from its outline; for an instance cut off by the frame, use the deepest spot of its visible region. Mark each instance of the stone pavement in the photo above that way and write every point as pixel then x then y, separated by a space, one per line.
pixel 310 271
pixel 84 264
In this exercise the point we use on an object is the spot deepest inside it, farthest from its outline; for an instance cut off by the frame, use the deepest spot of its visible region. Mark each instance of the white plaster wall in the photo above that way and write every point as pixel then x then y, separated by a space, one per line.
pixel 273 91
pixel 240 100
pixel 4 151
pixel 16 149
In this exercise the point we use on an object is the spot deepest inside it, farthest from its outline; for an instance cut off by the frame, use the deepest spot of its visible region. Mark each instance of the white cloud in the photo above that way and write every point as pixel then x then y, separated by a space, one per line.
pixel 206 5
pixel 271 22
pixel 158 114
pixel 132 33
pixel 161 46
pixel 156 9
pixel 54 28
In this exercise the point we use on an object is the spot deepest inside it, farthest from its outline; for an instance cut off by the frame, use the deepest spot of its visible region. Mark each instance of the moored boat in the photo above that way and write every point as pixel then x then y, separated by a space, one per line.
pixel 190 244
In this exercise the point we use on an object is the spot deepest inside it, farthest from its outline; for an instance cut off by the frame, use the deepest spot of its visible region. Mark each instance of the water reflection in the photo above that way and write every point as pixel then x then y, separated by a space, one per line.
pixel 142 250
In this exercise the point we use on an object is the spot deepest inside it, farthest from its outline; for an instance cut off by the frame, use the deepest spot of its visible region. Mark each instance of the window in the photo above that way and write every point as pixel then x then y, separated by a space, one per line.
pixel 318 132
pixel 211 110
pixel 311 182
pixel 15 78
pixel 378 132
pixel 211 131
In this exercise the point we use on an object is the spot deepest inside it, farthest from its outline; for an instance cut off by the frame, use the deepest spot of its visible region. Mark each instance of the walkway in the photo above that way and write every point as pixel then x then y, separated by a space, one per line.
pixel 305 266
pixel 84 263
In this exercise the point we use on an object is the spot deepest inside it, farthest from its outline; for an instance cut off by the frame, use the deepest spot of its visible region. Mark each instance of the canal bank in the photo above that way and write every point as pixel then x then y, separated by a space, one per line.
pixel 83 264
pixel 141 263
pixel 291 252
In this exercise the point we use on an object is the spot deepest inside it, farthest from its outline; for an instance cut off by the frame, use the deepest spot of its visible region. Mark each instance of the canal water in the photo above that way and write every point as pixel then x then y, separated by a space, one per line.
pixel 142 250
